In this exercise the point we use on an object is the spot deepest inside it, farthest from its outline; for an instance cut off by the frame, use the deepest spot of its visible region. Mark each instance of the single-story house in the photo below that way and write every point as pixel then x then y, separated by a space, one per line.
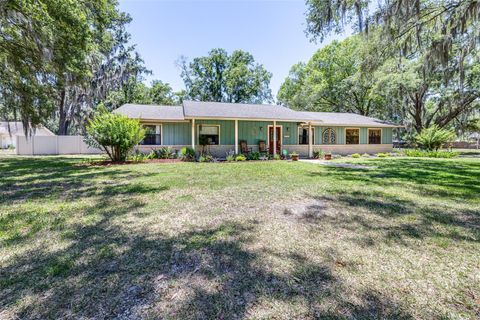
pixel 9 130
pixel 235 127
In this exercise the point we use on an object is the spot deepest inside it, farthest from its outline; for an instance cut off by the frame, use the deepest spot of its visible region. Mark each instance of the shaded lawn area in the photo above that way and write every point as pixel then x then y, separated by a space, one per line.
pixel 250 240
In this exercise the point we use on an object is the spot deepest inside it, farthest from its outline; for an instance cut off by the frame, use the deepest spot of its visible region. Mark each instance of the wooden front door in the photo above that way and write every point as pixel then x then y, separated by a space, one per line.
pixel 279 139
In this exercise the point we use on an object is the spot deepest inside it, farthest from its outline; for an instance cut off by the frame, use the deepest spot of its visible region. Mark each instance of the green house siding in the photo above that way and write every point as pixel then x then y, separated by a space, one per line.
pixel 253 131
pixel 289 132
pixel 363 135
pixel 177 133
pixel 387 135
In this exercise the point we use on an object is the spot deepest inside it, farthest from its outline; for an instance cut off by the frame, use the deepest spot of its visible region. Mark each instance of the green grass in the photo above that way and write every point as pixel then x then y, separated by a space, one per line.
pixel 384 238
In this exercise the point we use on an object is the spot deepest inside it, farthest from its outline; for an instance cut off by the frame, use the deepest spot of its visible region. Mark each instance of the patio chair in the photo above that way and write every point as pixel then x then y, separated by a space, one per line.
pixel 262 147
pixel 244 149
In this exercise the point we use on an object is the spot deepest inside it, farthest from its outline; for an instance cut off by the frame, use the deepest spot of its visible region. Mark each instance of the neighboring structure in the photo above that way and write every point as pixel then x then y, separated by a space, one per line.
pixel 228 127
pixel 10 130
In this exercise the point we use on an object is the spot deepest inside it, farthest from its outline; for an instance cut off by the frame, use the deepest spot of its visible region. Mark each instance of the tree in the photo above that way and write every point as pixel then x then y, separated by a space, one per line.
pixel 135 91
pixel 113 133
pixel 333 80
pixel 226 78
pixel 432 42
pixel 61 57
pixel 161 93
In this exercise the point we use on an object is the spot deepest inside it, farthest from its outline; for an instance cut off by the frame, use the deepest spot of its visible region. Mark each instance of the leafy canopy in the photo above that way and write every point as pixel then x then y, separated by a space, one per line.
pixel 226 78
pixel 113 133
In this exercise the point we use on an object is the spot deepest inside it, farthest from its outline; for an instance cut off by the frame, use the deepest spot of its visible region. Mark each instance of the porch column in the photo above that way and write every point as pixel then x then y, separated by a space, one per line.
pixel 274 137
pixel 236 136
pixel 310 140
pixel 193 134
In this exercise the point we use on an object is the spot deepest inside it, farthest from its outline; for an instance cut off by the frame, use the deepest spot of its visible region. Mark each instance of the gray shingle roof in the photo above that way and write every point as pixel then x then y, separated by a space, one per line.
pixel 151 112
pixel 219 110
pixel 195 109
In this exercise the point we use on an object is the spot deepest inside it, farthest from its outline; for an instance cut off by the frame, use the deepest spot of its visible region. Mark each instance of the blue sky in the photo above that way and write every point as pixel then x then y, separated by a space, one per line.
pixel 273 31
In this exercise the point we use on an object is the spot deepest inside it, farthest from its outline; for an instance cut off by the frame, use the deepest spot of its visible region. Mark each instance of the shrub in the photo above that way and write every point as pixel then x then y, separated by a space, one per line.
pixel 434 137
pixel 317 154
pixel 165 153
pixel 430 154
pixel 382 155
pixel 138 157
pixel 254 156
pixel 205 158
pixel 356 155
pixel 276 157
pixel 187 154
pixel 113 133
pixel 240 157
pixel 230 158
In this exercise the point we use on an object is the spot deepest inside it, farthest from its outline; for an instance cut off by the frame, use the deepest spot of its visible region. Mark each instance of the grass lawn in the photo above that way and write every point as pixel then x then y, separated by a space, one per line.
pixel 393 238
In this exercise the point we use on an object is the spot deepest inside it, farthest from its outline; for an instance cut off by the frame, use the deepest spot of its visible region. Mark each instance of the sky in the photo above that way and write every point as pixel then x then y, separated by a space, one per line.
pixel 271 30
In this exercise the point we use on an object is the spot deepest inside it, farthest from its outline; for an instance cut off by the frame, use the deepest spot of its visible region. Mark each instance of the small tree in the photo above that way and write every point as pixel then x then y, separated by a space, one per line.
pixel 433 138
pixel 113 133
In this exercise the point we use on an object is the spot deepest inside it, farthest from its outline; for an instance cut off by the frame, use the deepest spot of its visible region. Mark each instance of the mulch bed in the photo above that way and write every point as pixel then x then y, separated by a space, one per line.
pixel 106 163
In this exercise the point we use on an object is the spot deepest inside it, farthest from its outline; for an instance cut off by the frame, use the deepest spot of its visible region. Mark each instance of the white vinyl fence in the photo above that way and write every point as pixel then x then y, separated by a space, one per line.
pixel 38 145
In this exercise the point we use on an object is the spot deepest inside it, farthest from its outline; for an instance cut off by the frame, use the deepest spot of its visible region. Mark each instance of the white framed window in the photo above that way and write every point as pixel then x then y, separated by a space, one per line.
pixel 153 135
pixel 352 136
pixel 303 137
pixel 208 134
pixel 374 136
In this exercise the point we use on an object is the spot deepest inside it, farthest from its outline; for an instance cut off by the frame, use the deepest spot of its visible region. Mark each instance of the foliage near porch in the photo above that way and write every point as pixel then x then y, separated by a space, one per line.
pixel 387 238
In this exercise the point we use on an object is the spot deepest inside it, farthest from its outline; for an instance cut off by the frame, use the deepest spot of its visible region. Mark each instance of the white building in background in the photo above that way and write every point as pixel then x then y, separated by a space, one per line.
pixel 10 130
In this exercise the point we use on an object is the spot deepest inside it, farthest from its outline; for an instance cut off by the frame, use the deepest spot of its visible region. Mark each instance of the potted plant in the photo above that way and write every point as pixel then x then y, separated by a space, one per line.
pixel 294 156
pixel 327 156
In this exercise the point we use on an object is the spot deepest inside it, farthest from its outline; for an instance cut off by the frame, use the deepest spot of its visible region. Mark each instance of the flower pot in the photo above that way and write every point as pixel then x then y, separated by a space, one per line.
pixel 294 158
pixel 327 157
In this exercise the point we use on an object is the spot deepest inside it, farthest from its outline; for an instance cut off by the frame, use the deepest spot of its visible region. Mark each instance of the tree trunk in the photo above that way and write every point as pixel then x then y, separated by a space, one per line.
pixel 62 117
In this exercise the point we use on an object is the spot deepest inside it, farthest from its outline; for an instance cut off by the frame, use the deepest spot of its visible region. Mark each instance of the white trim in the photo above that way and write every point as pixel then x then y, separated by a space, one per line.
pixel 298 136
pixel 193 134
pixel 209 125
pixel 236 137
pixel 345 134
pixel 368 135
pixel 281 135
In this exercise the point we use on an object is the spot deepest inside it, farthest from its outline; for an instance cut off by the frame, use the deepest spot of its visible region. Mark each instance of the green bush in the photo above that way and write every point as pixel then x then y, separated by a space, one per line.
pixel 276 157
pixel 433 138
pixel 113 133
pixel 240 157
pixel 382 155
pixel 205 158
pixel 138 157
pixel 187 154
pixel 430 154
pixel 317 154
pixel 165 153
pixel 356 155
pixel 254 156
pixel 230 158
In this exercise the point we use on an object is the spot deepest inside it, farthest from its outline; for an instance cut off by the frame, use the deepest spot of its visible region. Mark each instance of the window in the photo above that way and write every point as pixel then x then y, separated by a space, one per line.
pixel 303 135
pixel 208 135
pixel 352 136
pixel 152 135
pixel 374 136
pixel 328 136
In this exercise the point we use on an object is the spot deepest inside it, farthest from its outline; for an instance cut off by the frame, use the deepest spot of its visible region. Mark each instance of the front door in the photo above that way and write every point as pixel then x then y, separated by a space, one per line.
pixel 270 144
